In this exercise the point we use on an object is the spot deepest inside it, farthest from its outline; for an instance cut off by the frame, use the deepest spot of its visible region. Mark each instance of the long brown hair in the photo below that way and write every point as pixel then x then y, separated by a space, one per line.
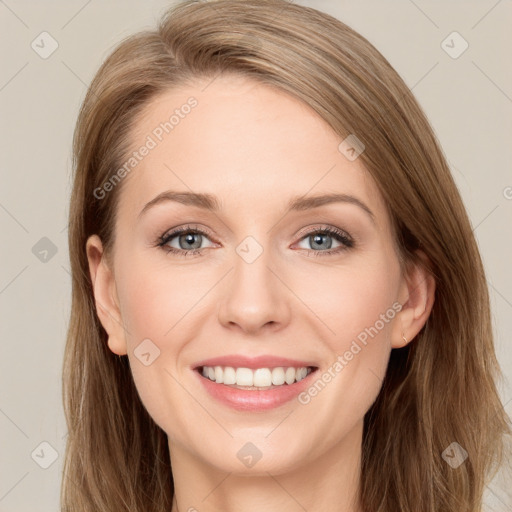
pixel 441 388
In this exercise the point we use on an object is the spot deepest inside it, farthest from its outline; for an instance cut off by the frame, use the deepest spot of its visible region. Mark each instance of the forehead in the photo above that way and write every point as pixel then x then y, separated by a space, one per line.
pixel 250 144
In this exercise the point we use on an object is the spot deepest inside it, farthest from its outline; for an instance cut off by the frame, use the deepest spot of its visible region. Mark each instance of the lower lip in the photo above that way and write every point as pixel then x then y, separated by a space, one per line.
pixel 254 400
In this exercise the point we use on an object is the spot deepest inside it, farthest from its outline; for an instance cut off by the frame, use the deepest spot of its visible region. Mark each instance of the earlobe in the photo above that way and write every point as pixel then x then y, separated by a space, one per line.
pixel 418 295
pixel 107 307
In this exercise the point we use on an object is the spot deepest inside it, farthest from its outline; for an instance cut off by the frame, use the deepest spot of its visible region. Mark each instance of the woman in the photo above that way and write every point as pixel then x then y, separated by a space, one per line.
pixel 219 357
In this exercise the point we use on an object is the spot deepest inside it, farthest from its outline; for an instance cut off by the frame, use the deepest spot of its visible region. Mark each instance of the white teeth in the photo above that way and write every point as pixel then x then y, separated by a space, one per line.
pixel 229 376
pixel 289 376
pixel 244 377
pixel 301 373
pixel 278 376
pixel 260 378
pixel 218 373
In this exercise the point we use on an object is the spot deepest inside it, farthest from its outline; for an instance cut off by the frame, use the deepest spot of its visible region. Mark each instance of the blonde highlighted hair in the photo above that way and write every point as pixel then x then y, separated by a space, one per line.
pixel 439 389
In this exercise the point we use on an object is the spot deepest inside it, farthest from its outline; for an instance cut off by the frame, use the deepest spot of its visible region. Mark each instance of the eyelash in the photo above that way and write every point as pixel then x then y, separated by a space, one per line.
pixel 336 233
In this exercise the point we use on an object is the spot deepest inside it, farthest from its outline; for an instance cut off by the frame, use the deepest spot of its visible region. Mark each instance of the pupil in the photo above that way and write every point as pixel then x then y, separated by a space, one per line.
pixel 189 239
pixel 318 239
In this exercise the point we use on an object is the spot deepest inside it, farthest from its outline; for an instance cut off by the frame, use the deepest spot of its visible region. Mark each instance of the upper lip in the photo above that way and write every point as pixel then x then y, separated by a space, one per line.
pixel 263 361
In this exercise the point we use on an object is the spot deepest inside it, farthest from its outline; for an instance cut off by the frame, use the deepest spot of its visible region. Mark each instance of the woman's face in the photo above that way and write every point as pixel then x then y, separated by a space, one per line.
pixel 255 274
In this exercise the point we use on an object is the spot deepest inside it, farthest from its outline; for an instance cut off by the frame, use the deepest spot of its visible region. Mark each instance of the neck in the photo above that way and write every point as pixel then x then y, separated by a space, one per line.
pixel 327 483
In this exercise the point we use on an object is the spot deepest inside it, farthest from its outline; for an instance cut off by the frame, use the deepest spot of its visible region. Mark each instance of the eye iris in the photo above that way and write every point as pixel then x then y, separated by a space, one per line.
pixel 318 239
pixel 189 239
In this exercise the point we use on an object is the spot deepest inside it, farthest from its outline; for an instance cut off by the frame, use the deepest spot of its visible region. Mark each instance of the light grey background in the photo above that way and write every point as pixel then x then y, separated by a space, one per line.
pixel 468 101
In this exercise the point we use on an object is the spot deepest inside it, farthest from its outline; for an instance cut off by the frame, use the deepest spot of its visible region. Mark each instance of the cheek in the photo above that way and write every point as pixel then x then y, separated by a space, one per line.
pixel 360 306
pixel 149 312
pixel 352 300
pixel 154 299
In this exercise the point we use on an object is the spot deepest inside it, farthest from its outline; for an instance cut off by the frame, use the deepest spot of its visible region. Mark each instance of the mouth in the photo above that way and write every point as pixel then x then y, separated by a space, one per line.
pixel 258 379
pixel 255 389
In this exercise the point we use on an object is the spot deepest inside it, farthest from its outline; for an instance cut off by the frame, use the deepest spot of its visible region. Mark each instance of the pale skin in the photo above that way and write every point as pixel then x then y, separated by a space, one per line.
pixel 254 148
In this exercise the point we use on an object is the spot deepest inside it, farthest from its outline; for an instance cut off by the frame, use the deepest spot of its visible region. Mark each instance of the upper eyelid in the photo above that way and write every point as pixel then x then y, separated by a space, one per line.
pixel 308 231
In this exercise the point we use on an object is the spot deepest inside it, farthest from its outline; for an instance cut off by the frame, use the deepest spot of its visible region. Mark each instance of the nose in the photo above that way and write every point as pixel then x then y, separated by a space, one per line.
pixel 254 297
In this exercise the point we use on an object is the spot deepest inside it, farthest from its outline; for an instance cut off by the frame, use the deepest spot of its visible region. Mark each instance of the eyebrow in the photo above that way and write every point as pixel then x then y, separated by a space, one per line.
pixel 211 203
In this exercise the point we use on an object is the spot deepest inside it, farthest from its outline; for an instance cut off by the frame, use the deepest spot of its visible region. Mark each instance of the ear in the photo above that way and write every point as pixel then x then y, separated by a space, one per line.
pixel 105 296
pixel 416 295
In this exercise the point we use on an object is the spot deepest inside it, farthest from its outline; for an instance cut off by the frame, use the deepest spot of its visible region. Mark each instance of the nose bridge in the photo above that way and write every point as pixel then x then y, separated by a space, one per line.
pixel 254 296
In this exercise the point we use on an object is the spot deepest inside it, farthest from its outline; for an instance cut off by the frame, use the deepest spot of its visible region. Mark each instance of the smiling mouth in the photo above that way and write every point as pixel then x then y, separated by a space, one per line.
pixel 258 379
